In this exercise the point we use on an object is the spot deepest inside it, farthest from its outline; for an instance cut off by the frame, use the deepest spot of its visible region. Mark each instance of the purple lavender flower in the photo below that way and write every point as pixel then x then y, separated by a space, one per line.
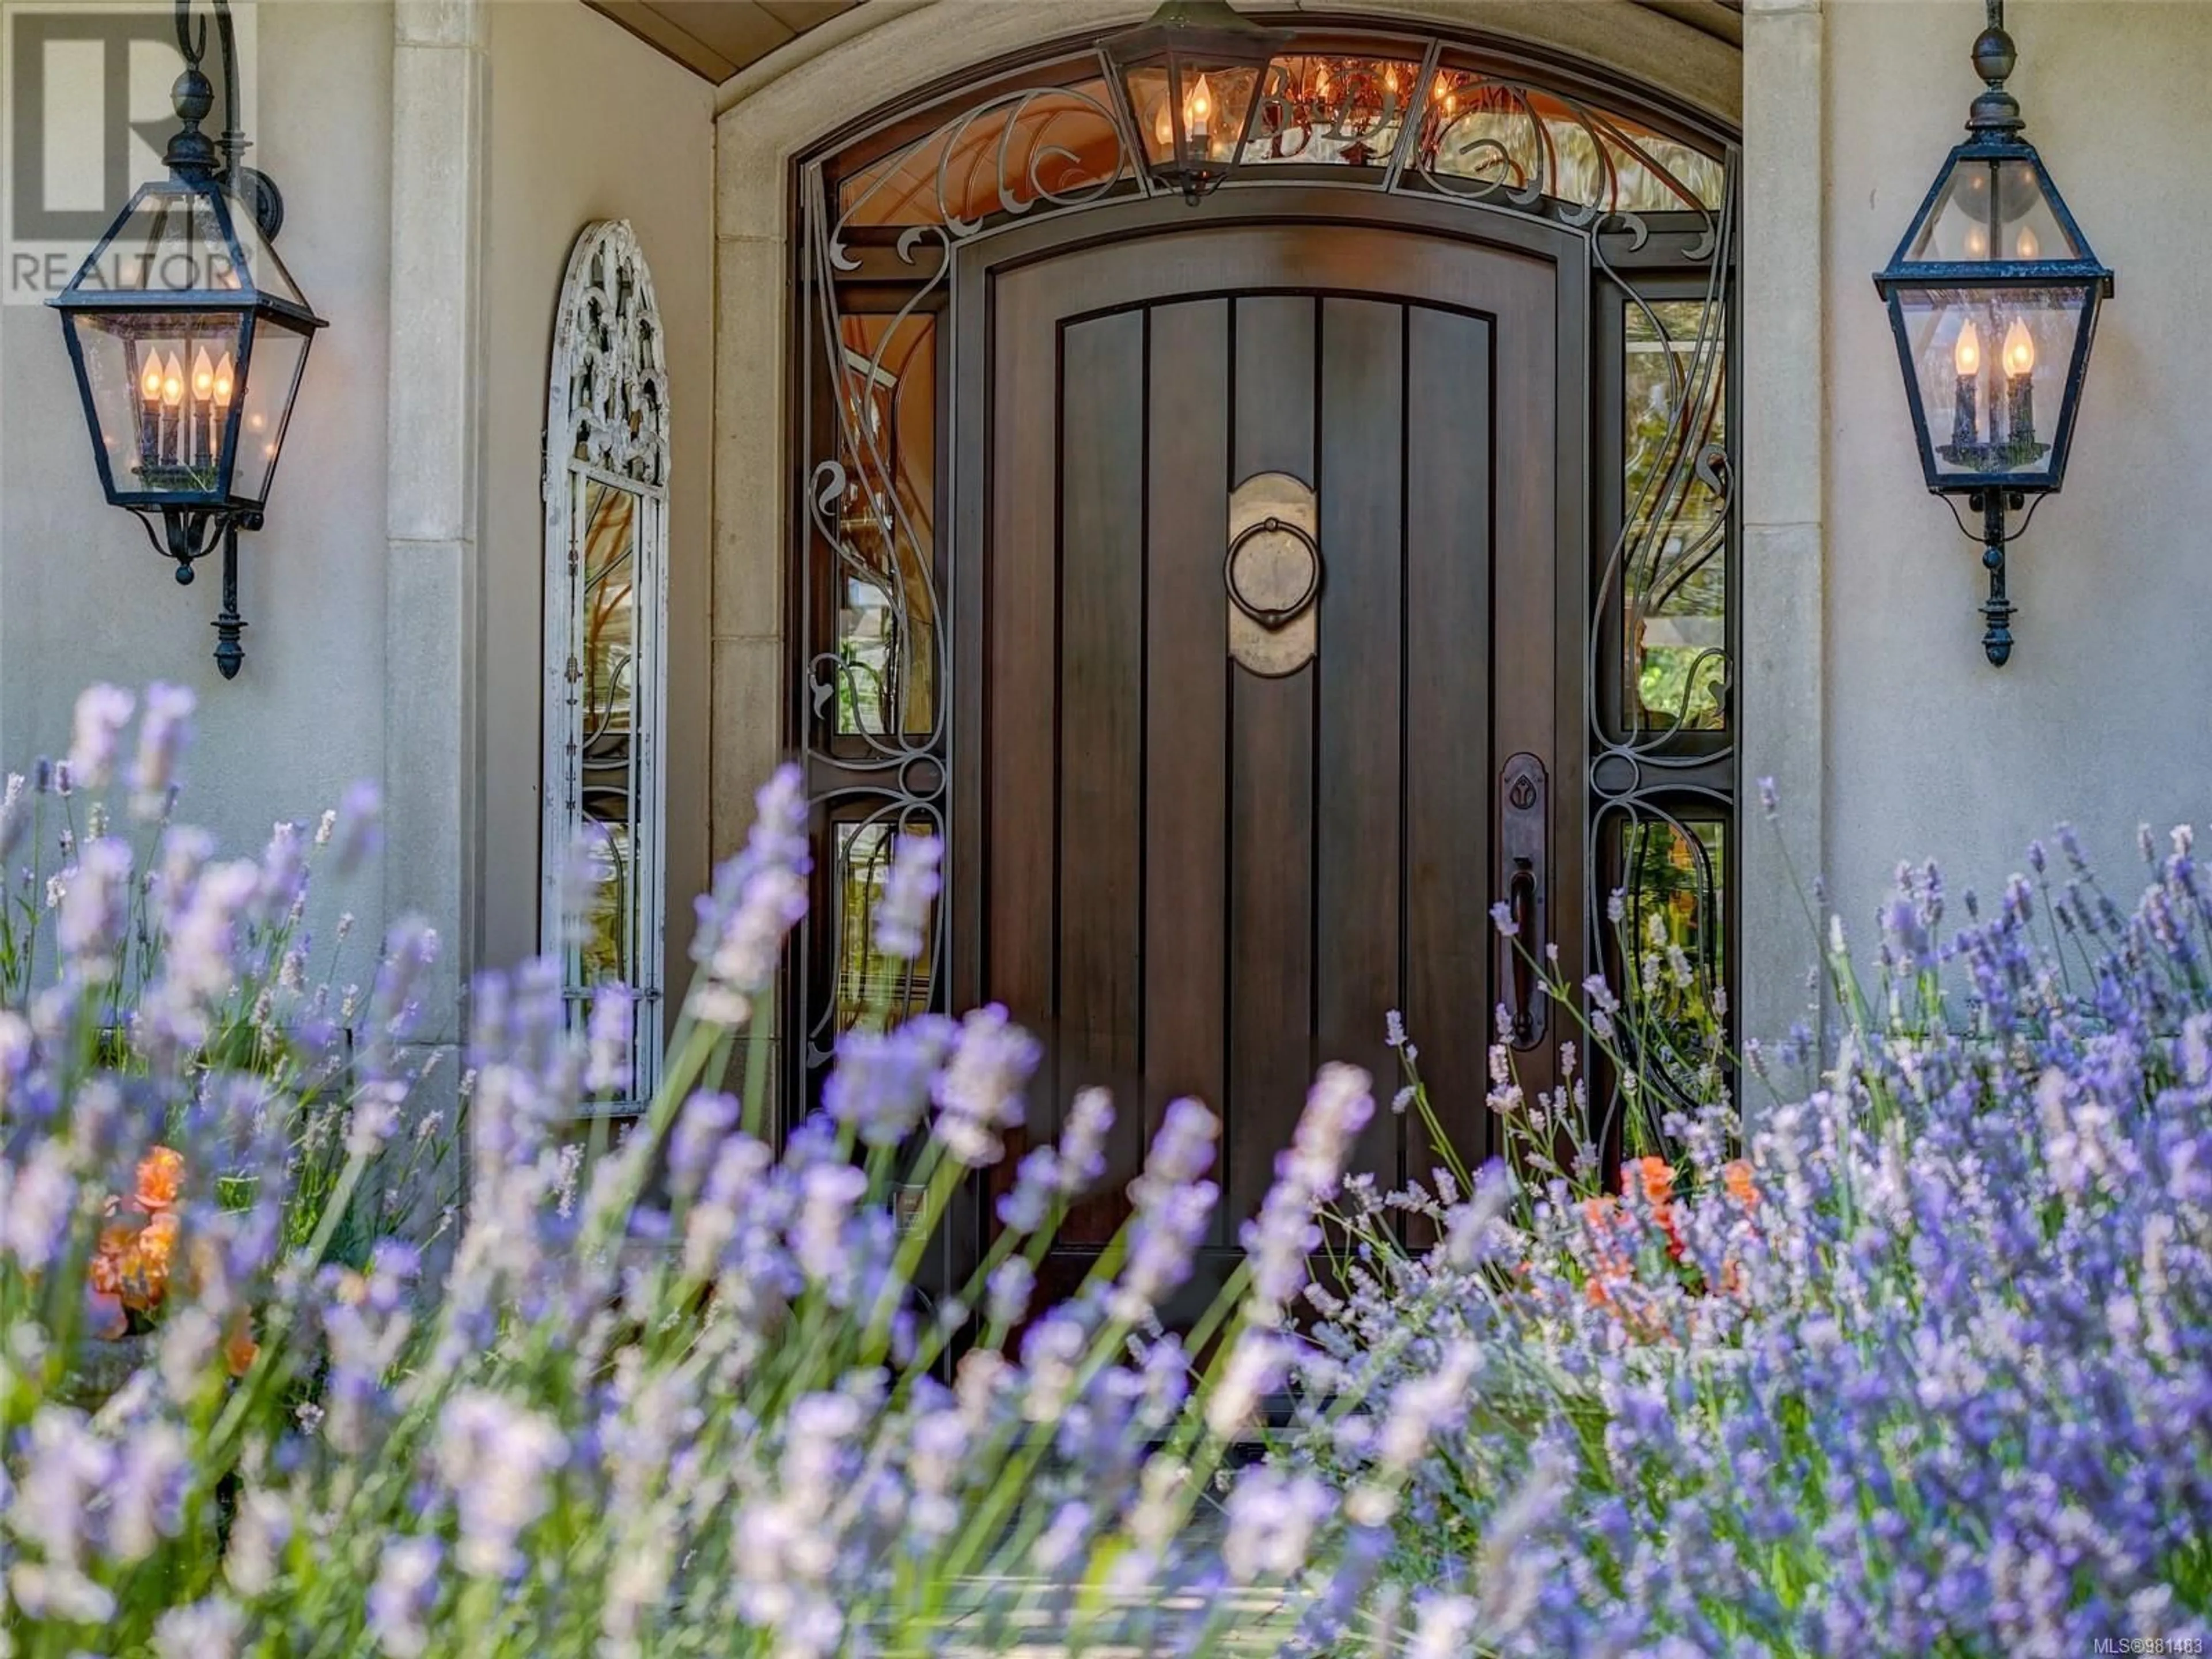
pixel 758 897
pixel 607 1071
pixel 1270 1519
pixel 38 1198
pixel 902 913
pixel 1008 1291
pixel 979 1094
pixel 95 908
pixel 1082 1162
pixel 1024 1208
pixel 14 817
pixel 882 1083
pixel 496 1460
pixel 359 828
pixel 95 734
pixel 163 732
pixel 405 1592
pixel 1443 1628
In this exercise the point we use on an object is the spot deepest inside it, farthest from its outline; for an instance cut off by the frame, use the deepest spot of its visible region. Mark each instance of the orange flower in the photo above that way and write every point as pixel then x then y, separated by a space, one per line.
pixel 239 1350
pixel 108 1256
pixel 1736 1175
pixel 160 1179
pixel 1657 1176
pixel 145 1263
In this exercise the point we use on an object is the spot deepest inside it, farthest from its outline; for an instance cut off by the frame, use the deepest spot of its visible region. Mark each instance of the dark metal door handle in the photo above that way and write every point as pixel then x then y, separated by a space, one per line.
pixel 1521 904
pixel 1524 834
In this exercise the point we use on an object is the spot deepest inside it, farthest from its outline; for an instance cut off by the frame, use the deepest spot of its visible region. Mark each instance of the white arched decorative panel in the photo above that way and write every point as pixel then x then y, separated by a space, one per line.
pixel 606 609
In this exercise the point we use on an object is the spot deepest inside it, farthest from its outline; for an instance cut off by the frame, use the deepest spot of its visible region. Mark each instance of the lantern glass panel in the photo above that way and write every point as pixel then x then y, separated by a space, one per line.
pixel 279 354
pixel 170 239
pixel 161 385
pixel 1216 99
pixel 1993 367
pixel 263 266
pixel 1992 208
pixel 177 239
pixel 1148 85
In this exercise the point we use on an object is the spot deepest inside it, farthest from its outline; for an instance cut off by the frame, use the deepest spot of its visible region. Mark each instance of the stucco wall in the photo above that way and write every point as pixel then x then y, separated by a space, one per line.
pixel 2105 715
pixel 83 597
pixel 585 122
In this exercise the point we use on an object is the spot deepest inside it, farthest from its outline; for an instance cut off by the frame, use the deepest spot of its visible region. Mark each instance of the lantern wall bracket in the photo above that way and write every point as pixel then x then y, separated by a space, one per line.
pixel 188 537
pixel 225 157
pixel 1997 609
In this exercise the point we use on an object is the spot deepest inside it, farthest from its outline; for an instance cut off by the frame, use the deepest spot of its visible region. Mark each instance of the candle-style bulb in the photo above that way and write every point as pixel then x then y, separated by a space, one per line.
pixel 1163 128
pixel 2019 350
pixel 202 377
pixel 2024 246
pixel 1966 355
pixel 226 381
pixel 149 383
pixel 172 382
pixel 1978 242
pixel 1198 114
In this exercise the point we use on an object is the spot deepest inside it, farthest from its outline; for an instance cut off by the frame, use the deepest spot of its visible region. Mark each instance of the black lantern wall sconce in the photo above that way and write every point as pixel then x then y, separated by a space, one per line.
pixel 189 336
pixel 1993 296
pixel 1191 76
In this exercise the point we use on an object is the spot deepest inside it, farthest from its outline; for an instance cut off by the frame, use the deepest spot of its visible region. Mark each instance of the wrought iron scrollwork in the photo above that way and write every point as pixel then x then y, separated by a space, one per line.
pixel 1658 901
pixel 875 721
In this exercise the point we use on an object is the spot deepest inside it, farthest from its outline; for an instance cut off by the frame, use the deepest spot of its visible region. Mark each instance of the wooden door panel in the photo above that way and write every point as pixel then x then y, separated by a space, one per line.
pixel 1360 732
pixel 1271 802
pixel 1195 879
pixel 1452 771
pixel 1018 865
pixel 1186 710
pixel 1097 1037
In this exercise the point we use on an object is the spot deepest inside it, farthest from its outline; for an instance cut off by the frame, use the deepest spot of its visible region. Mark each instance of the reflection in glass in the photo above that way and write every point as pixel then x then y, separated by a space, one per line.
pixel 886 643
pixel 1673 940
pixel 1003 157
pixel 1525 141
pixel 603 956
pixel 1317 108
pixel 1675 583
pixel 1993 208
pixel 605 671
pixel 872 988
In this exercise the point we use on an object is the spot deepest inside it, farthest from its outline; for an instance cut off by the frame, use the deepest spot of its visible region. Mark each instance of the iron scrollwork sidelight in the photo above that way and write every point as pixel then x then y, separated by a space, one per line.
pixel 1662 756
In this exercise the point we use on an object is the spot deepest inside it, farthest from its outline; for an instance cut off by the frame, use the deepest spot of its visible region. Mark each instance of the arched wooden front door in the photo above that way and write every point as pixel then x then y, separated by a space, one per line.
pixel 1232 801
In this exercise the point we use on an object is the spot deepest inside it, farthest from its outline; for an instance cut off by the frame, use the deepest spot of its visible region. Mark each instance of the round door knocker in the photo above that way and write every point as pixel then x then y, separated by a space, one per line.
pixel 1285 574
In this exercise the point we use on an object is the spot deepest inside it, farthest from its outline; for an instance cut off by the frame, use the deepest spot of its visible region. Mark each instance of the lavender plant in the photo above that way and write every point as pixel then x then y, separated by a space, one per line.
pixel 681 1399
pixel 1927 1368
pixel 133 960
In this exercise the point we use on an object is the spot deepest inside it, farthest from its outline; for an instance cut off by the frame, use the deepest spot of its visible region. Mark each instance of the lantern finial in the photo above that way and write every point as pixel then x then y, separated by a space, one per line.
pixel 1995 109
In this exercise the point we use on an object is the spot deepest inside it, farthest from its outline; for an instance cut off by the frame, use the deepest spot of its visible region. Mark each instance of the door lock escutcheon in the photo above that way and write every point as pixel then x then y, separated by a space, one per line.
pixel 1524 831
